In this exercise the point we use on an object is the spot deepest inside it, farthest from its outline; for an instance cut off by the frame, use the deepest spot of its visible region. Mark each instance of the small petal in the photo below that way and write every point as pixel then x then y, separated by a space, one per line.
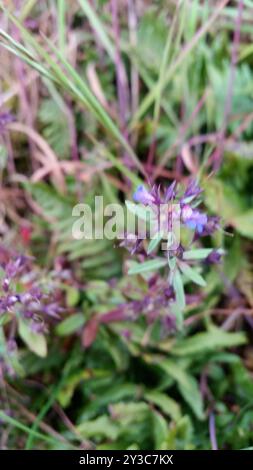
pixel 142 196
pixel 171 192
pixel 213 258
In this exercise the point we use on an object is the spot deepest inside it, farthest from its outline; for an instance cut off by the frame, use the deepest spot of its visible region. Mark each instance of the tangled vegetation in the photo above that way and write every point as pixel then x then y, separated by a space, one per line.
pixel 120 344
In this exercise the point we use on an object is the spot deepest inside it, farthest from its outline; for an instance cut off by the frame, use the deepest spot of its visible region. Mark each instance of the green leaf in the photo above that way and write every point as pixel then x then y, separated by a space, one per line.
pixel 152 34
pixel 214 339
pixel 160 430
pixel 244 223
pixel 223 199
pixel 178 312
pixel 98 26
pixel 36 342
pixel 198 253
pixel 165 403
pixel 154 242
pixel 187 385
pixel 64 74
pixel 55 126
pixel 5 318
pixel 72 296
pixel 179 289
pixel 172 261
pixel 102 426
pixel 151 265
pixel 70 324
pixel 192 274
pixel 3 157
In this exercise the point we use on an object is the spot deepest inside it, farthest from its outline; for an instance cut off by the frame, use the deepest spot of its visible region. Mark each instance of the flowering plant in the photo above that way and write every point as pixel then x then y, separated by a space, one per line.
pixel 181 258
pixel 26 307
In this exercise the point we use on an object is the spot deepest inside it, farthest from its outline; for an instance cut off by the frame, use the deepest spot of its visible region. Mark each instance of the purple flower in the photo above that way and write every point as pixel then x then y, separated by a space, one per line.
pixel 213 258
pixel 17 266
pixel 143 196
pixel 194 219
pixel 52 309
pixel 211 226
pixel 171 192
pixel 6 284
pixel 132 244
pixel 38 326
pixel 193 190
pixel 169 324
pixel 5 118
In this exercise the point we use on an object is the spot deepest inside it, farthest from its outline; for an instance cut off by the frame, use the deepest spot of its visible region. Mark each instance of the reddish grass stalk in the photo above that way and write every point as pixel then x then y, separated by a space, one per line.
pixel 122 87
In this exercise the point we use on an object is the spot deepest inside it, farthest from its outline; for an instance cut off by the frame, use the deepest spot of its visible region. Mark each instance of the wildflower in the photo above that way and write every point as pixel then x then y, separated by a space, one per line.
pixel 213 258
pixel 169 324
pixel 5 284
pixel 192 191
pixel 132 244
pixel 211 226
pixel 194 219
pixel 143 196
pixel 5 119
pixel 171 192
pixel 32 300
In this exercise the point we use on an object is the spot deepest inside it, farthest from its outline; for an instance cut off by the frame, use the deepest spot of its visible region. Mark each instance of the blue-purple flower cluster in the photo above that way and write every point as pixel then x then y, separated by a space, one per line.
pixel 190 216
pixel 21 294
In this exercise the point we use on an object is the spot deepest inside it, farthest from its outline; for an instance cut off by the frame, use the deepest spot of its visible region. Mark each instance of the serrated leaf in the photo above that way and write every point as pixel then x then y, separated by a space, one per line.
pixel 36 342
pixel 165 403
pixel 187 385
pixel 102 426
pixel 160 430
pixel 55 126
pixel 192 274
pixel 70 324
pixel 151 265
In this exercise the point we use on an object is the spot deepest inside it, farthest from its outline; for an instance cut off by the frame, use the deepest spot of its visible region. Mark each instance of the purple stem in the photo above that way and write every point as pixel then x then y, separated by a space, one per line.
pixel 122 89
pixel 72 131
pixel 118 314
pixel 212 431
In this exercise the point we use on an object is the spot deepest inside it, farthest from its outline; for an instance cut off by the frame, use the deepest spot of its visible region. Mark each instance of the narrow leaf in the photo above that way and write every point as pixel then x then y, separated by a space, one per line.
pixel 192 274
pixel 179 289
pixel 199 253
pixel 187 385
pixel 70 324
pixel 211 340
pixel 151 265
pixel 154 242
